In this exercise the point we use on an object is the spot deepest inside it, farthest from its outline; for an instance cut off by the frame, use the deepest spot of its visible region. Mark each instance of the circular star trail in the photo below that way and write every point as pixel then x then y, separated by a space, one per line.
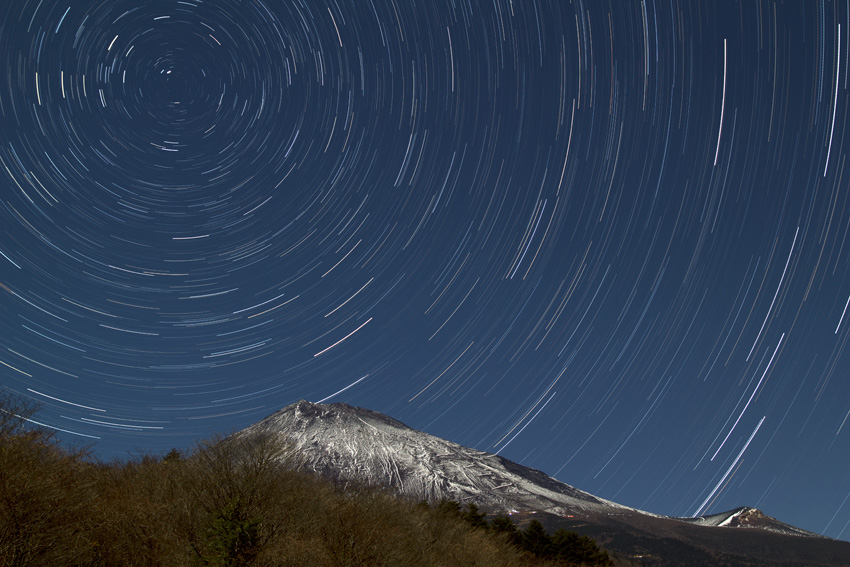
pixel 607 240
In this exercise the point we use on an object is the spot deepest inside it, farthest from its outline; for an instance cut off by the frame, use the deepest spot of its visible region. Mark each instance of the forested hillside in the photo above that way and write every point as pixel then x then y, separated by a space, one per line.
pixel 233 502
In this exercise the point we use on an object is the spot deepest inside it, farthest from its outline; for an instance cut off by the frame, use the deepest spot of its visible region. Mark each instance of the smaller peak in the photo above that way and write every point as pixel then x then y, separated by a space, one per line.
pixel 747 513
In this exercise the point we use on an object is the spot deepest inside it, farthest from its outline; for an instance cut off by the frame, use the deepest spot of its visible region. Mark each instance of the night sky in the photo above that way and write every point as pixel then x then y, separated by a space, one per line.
pixel 608 240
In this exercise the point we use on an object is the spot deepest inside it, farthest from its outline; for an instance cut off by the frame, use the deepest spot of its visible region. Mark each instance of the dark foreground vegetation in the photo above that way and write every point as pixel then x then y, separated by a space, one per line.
pixel 567 548
pixel 233 502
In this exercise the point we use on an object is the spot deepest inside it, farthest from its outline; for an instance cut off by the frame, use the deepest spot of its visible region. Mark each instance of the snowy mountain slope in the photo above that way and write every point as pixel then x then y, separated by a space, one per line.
pixel 345 443
pixel 342 442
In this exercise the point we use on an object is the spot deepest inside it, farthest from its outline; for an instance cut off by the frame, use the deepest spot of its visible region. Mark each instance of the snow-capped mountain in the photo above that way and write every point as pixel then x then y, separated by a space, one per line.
pixel 345 443
pixel 348 443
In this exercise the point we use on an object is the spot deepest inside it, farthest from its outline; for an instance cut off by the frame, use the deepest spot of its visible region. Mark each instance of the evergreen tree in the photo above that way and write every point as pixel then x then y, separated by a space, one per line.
pixel 578 549
pixel 536 540
pixel 504 525
pixel 172 456
pixel 232 538
pixel 473 516
pixel 449 508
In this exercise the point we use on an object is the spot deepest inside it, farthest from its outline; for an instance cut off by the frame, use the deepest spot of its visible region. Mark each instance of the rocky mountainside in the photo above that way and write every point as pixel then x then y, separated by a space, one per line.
pixel 345 443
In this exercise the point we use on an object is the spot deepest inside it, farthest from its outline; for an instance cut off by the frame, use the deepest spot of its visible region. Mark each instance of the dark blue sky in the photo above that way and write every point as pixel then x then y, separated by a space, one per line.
pixel 608 240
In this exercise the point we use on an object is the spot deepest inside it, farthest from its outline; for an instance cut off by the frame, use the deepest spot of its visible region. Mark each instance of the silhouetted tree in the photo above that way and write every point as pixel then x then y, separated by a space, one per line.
pixel 504 525
pixel 15 411
pixel 45 492
pixel 449 508
pixel 473 516
pixel 578 549
pixel 172 456
pixel 535 539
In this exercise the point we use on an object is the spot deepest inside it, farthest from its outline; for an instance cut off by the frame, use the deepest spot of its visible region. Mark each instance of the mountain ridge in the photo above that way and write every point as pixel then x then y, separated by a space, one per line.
pixel 348 443
pixel 343 443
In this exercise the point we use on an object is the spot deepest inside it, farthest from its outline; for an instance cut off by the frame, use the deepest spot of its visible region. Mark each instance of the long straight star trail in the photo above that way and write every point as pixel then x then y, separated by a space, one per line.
pixel 610 241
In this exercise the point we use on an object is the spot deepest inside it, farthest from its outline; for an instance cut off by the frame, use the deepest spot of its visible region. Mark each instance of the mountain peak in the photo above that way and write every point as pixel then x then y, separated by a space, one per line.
pixel 350 444
pixel 347 443
pixel 341 413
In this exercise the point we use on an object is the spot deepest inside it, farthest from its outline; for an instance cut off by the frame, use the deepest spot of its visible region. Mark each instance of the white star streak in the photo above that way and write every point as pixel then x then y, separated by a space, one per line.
pixel 321 352
pixel 732 466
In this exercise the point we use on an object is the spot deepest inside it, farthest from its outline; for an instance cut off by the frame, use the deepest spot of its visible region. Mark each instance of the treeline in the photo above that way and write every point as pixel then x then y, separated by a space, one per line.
pixel 568 548
pixel 229 502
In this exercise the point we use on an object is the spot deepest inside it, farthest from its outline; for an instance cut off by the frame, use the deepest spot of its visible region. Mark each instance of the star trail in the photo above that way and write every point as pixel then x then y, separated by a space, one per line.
pixel 608 240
